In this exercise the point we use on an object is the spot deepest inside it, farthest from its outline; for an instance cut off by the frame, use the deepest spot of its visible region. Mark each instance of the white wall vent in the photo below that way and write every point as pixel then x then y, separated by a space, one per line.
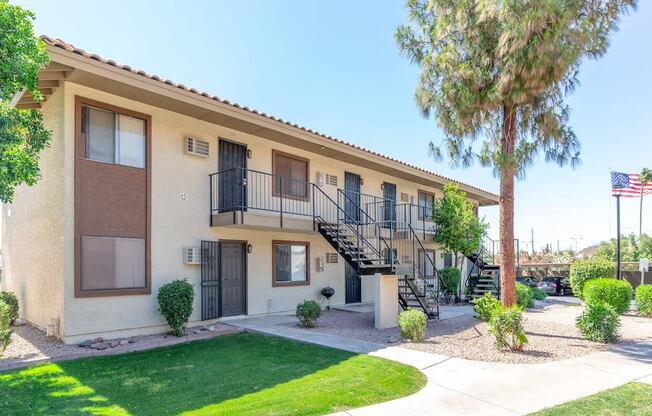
pixel 405 197
pixel 331 179
pixel 192 255
pixel 332 258
pixel 197 147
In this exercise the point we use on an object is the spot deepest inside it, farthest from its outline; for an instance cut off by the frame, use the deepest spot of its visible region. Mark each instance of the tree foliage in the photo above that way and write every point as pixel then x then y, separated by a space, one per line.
pixel 632 248
pixel 22 134
pixel 458 228
pixel 477 57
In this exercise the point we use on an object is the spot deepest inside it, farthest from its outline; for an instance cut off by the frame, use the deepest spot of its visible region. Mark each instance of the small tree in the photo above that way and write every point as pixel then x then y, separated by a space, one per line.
pixel 458 228
pixel 22 134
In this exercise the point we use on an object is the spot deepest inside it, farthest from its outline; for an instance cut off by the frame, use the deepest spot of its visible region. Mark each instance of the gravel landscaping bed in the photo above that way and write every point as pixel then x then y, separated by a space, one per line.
pixel 29 345
pixel 551 332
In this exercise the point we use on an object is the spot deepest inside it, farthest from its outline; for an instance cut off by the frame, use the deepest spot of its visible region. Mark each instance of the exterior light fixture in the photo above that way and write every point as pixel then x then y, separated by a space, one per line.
pixel 250 248
pixel 382 186
pixel 249 153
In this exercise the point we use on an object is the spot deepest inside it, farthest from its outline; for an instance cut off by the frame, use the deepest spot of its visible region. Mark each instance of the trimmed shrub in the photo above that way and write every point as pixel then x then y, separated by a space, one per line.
pixel 450 278
pixel 617 293
pixel 412 323
pixel 599 322
pixel 538 294
pixel 484 306
pixel 524 297
pixel 5 331
pixel 506 325
pixel 644 300
pixel 175 303
pixel 583 270
pixel 10 299
pixel 308 312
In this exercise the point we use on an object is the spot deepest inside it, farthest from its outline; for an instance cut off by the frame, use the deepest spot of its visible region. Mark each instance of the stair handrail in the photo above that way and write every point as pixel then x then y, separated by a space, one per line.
pixel 370 221
pixel 349 224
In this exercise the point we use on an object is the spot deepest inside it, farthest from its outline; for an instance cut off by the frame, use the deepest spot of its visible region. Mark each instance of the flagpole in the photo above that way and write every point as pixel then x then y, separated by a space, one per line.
pixel 618 236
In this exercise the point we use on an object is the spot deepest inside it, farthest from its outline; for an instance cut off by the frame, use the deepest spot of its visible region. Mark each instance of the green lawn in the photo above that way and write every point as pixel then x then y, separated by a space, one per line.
pixel 242 374
pixel 633 399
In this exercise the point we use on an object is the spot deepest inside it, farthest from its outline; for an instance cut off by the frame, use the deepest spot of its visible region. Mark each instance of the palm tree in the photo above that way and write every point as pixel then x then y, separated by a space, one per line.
pixel 645 177
pixel 498 72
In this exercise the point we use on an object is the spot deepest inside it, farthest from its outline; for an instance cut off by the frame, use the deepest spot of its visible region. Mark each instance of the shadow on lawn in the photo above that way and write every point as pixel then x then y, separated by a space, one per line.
pixel 167 380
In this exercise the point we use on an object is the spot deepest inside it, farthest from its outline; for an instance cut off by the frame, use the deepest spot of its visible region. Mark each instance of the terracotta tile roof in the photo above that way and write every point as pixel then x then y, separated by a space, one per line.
pixel 71 48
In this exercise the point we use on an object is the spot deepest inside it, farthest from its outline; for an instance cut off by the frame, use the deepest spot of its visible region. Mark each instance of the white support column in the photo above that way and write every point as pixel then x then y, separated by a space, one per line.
pixel 385 301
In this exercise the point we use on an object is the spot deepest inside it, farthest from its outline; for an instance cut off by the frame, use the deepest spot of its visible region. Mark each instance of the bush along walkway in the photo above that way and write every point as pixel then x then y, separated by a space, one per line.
pixel 461 387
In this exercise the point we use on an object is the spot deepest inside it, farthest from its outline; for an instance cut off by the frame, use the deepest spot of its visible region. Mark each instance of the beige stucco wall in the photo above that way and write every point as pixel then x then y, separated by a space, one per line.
pixel 176 222
pixel 33 230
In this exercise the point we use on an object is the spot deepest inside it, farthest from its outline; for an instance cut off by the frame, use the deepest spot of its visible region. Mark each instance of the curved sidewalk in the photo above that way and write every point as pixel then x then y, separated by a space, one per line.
pixel 462 387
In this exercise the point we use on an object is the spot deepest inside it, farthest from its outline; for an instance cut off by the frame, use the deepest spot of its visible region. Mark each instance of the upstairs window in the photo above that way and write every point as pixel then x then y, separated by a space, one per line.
pixel 426 204
pixel 290 176
pixel 111 137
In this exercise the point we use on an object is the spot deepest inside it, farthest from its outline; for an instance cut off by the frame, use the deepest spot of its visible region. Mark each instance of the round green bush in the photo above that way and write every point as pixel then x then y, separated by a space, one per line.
pixel 485 306
pixel 450 278
pixel 599 323
pixel 617 293
pixel 583 270
pixel 538 294
pixel 10 299
pixel 5 330
pixel 308 312
pixel 175 303
pixel 524 296
pixel 412 323
pixel 644 300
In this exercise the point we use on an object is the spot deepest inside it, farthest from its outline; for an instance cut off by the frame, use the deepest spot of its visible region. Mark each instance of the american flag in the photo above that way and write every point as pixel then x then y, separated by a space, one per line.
pixel 628 185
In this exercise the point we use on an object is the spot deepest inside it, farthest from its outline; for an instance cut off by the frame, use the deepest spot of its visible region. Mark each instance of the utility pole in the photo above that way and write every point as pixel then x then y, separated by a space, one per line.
pixel 557 245
pixel 577 240
pixel 532 231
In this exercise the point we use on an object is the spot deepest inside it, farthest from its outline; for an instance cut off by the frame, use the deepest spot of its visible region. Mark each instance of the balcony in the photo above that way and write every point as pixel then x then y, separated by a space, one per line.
pixel 247 198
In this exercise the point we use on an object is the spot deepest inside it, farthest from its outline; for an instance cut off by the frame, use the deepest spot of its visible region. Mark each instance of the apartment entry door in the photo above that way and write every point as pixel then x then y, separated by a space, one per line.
pixel 353 285
pixel 389 204
pixel 232 165
pixel 223 279
pixel 352 184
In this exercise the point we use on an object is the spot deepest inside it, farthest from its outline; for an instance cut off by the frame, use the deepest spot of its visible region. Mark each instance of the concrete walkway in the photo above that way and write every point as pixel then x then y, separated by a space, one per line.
pixel 461 387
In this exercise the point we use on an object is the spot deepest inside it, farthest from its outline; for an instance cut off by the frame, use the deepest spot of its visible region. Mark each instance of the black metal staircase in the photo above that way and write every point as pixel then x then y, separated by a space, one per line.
pixel 377 246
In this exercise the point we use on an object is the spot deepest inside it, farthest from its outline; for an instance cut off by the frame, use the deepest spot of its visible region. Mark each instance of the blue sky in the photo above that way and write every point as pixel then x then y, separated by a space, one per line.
pixel 334 66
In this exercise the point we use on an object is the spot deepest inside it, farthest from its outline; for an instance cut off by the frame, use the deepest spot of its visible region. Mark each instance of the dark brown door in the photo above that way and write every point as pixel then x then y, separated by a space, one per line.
pixel 353 285
pixel 232 165
pixel 233 278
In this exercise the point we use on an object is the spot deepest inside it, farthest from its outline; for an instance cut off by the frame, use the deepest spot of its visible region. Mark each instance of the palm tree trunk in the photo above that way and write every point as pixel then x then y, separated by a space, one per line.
pixel 507 174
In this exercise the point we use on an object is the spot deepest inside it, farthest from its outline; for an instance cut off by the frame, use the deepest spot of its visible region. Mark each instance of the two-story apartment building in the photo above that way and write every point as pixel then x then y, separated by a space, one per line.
pixel 147 181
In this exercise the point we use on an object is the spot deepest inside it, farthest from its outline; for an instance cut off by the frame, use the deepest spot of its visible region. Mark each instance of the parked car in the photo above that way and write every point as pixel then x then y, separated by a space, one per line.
pixel 555 285
pixel 527 281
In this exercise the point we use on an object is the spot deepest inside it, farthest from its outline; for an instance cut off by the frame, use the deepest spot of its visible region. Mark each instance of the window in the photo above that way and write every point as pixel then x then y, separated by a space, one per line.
pixel 426 203
pixel 113 138
pixel 110 263
pixel 291 176
pixel 290 263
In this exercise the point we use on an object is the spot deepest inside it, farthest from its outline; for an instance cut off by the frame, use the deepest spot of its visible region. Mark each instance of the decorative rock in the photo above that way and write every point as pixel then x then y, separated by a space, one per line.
pixel 132 341
pixel 100 346
pixel 392 340
pixel 211 328
pixel 204 328
pixel 96 340
pixel 124 341
pixel 85 344
pixel 196 331
pixel 114 343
